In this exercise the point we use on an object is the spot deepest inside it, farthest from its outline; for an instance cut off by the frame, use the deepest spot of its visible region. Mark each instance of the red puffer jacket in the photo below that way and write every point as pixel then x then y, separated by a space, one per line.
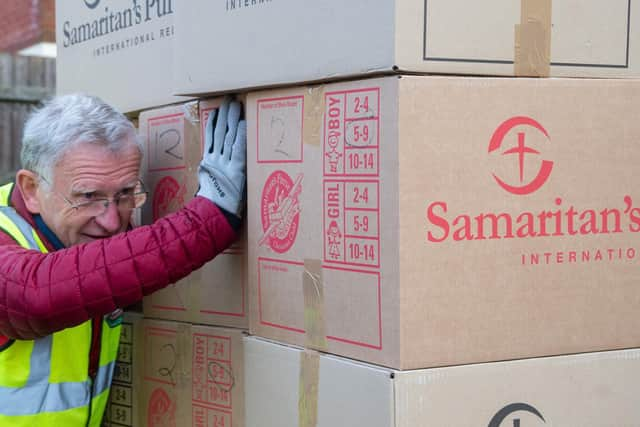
pixel 44 293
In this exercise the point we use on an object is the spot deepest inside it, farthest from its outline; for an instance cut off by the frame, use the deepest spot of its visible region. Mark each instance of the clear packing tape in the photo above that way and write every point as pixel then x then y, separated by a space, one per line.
pixel 308 388
pixel 313 114
pixel 313 291
pixel 532 55
pixel 312 285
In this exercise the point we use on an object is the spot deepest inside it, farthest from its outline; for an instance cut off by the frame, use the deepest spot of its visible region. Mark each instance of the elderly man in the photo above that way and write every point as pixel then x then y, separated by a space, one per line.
pixel 69 259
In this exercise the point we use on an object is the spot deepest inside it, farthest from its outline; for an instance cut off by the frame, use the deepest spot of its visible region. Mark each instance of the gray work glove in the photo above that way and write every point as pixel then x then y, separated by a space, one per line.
pixel 222 171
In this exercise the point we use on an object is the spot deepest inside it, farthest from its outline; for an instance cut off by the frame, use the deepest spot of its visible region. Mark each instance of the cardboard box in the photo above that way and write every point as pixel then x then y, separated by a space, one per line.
pixel 124 407
pixel 193 375
pixel 119 50
pixel 417 222
pixel 587 390
pixel 294 41
pixel 216 293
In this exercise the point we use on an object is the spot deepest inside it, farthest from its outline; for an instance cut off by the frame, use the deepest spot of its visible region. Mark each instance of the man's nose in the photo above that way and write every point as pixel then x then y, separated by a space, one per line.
pixel 110 219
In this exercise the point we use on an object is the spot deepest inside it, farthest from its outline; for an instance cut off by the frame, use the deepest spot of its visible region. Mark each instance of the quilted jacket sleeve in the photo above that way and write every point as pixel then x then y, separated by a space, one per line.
pixel 44 293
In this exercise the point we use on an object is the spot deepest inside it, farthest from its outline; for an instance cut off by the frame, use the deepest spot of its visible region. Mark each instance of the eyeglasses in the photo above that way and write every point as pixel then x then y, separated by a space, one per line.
pixel 93 204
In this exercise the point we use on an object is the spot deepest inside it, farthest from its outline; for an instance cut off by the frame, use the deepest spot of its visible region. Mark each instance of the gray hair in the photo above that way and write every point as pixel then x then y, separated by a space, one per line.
pixel 64 121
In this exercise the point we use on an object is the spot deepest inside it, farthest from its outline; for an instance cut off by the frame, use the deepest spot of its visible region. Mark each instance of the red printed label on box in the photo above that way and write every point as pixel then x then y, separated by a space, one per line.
pixel 352 130
pixel 280 211
pixel 279 124
pixel 160 365
pixel 213 377
pixel 351 151
pixel 352 222
pixel 168 197
pixel 278 279
pixel 165 147
pixel 210 417
pixel 349 287
pixel 161 410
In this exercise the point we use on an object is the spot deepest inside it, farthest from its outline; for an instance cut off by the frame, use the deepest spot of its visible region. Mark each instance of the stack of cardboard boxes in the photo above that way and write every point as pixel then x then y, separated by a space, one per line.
pixel 437 250
pixel 181 359
pixel 193 346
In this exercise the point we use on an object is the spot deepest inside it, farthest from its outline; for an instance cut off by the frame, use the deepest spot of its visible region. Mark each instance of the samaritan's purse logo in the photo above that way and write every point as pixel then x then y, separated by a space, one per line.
pixel 559 219
pixel 522 150
pixel 92 4
pixel 509 412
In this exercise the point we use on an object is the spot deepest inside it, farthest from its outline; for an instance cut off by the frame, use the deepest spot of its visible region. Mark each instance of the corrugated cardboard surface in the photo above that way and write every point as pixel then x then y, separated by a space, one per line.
pixel 587 390
pixel 298 41
pixel 564 278
pixel 587 38
pixel 216 293
pixel 395 186
pixel 119 50
pixel 124 407
pixel 193 375
pixel 347 394
pixel 285 42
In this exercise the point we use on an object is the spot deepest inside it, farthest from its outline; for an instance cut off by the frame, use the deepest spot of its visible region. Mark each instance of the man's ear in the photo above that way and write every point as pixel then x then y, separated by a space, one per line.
pixel 28 184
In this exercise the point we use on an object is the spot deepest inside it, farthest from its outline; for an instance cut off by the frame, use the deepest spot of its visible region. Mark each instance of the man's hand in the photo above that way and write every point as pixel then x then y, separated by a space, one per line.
pixel 222 172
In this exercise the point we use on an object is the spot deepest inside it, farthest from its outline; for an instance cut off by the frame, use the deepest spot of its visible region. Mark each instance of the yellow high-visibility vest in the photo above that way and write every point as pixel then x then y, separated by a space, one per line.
pixel 46 382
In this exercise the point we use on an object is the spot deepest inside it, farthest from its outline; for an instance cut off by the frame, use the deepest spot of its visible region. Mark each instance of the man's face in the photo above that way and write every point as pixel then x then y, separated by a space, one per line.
pixel 88 171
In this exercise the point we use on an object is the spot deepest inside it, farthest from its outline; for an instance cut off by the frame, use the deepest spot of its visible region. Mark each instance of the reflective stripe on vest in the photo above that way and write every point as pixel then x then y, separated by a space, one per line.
pixel 25 235
pixel 36 397
pixel 5 194
pixel 41 382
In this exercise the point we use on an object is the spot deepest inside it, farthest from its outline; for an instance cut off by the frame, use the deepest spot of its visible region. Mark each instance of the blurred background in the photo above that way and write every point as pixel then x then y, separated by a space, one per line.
pixel 27 71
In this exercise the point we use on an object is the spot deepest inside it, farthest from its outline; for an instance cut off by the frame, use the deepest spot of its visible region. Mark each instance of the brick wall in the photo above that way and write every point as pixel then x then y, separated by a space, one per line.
pixel 25 22
pixel 48 19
